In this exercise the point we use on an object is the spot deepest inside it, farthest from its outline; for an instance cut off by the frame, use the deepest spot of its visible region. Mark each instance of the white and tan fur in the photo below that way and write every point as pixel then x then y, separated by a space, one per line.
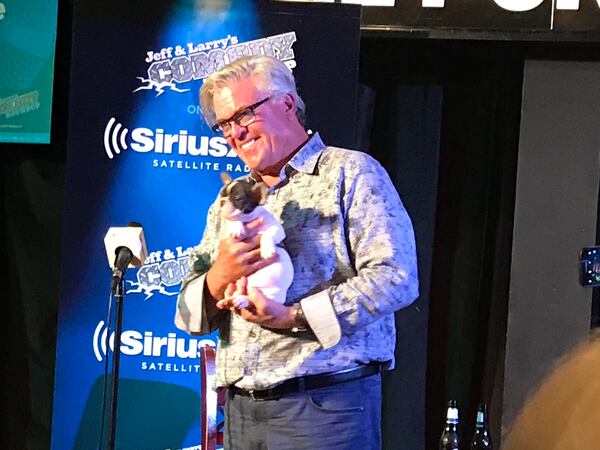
pixel 240 204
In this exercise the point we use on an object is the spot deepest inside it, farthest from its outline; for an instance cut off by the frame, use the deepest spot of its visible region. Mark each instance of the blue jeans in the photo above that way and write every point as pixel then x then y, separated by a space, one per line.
pixel 344 416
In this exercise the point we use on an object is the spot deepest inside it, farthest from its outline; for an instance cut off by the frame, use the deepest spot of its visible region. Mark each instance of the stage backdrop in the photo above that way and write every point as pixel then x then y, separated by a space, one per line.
pixel 138 151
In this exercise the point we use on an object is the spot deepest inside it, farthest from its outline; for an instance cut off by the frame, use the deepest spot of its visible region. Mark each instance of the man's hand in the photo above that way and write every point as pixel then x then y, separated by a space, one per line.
pixel 261 310
pixel 237 258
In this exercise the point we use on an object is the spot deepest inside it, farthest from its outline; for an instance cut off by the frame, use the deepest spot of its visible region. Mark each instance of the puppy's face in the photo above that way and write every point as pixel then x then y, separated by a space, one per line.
pixel 240 197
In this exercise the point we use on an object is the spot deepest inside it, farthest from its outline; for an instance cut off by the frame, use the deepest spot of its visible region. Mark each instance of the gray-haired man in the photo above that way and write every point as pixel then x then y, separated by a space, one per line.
pixel 305 374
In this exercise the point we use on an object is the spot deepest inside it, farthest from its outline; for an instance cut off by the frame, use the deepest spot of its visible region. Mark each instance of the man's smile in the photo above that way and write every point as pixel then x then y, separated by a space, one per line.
pixel 247 145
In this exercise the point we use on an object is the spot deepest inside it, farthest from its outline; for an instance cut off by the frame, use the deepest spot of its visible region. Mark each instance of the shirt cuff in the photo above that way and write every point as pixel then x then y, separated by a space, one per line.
pixel 321 318
pixel 190 315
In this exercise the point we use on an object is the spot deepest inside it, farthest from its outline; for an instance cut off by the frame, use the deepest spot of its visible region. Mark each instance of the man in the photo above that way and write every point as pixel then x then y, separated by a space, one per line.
pixel 306 374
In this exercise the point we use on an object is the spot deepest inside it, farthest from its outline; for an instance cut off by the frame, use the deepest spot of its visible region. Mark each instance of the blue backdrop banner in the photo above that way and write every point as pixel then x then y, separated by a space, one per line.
pixel 139 151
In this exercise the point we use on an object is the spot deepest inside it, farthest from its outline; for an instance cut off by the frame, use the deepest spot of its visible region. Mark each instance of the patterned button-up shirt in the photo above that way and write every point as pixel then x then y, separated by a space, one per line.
pixel 352 246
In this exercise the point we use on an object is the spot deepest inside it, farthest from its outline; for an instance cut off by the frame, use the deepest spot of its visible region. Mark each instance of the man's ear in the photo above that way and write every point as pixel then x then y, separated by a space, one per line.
pixel 259 192
pixel 289 103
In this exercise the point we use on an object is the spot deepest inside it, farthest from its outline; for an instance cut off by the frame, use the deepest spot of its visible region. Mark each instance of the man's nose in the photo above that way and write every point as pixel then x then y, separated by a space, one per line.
pixel 237 130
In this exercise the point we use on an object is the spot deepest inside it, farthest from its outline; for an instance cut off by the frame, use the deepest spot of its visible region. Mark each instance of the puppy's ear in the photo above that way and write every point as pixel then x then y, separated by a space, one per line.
pixel 225 178
pixel 259 192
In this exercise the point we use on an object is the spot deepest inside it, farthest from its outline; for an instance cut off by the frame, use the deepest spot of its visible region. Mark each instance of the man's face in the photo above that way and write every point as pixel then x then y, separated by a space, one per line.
pixel 268 139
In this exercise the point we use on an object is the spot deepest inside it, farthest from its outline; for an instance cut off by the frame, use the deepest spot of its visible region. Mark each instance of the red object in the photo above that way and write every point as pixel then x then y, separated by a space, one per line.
pixel 211 402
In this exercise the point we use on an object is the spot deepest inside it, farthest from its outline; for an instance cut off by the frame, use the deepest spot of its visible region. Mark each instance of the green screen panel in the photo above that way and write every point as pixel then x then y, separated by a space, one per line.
pixel 27 44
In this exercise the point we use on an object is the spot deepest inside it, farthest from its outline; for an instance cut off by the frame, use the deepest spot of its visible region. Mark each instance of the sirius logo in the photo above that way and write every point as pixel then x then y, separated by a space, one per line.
pixel 145 140
pixel 135 343
pixel 114 138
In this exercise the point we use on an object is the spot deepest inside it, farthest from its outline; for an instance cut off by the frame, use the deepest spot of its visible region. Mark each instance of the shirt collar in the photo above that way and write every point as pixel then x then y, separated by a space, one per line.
pixel 305 160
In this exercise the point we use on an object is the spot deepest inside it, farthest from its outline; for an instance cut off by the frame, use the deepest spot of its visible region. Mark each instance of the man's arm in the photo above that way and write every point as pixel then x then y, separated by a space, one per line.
pixel 196 312
pixel 381 242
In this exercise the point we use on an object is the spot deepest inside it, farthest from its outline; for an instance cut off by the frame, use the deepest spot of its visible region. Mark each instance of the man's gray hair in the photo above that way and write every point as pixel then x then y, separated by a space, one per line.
pixel 271 76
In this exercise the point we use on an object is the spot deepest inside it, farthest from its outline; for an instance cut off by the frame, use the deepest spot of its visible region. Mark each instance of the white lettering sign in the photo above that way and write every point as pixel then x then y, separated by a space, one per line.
pixel 519 5
pixel 509 5
pixel 433 3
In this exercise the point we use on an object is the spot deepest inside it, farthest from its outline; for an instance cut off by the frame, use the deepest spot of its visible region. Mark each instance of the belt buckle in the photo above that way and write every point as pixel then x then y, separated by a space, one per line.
pixel 259 395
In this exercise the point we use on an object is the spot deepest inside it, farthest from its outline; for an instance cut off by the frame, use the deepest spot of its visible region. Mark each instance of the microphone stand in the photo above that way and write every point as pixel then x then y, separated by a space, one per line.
pixel 112 423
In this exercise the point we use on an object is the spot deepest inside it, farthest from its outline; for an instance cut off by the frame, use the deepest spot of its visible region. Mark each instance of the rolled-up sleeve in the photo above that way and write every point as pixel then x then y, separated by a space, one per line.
pixel 190 315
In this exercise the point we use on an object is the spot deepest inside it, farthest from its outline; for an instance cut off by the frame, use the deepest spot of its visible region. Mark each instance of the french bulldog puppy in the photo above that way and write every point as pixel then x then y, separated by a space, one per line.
pixel 242 202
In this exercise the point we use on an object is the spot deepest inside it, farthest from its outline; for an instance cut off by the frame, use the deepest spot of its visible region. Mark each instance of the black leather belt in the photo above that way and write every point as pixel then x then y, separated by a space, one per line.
pixel 308 382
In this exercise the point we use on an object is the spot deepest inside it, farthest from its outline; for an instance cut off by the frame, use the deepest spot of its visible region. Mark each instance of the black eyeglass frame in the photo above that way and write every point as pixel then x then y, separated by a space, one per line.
pixel 218 127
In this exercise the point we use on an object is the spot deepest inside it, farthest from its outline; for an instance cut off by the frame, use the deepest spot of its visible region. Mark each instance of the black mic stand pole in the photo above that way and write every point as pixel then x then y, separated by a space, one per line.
pixel 112 424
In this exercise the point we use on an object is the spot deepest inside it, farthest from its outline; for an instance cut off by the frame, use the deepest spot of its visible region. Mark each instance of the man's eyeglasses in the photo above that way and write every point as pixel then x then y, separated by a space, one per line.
pixel 242 118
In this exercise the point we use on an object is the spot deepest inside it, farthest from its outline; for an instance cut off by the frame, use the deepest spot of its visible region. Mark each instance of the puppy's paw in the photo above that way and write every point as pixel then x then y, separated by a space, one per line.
pixel 241 302
pixel 267 249
pixel 237 230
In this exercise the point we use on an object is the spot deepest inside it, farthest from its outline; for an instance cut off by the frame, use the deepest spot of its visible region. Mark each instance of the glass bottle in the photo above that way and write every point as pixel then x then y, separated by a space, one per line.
pixel 450 439
pixel 481 438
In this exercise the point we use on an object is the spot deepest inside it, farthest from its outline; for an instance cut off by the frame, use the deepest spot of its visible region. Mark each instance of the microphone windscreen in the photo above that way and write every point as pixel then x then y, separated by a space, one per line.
pixel 131 237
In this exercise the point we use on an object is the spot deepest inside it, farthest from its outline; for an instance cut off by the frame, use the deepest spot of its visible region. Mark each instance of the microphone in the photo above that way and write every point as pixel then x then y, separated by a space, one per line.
pixel 125 247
